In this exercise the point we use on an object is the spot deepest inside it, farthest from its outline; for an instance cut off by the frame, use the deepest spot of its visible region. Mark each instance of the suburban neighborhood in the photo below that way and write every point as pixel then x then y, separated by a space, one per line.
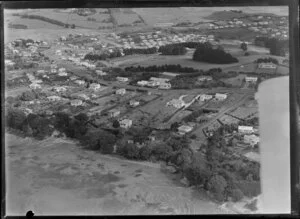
pixel 181 96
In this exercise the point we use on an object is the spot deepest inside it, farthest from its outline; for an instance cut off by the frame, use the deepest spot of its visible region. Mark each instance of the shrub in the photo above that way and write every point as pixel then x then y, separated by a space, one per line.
pixel 15 118
pixel 28 96
pixel 217 185
pixel 237 195
pixel 98 140
pixel 145 153
pixel 162 151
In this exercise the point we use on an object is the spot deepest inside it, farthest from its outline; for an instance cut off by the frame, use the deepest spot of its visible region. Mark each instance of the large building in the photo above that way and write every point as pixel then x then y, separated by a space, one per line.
pixel 205 78
pixel 182 130
pixel 176 103
pixel 266 66
pixel 125 123
pixel 245 129
pixel 251 79
pixel 251 139
pixel 219 96
pixel 114 113
pixel 204 97
pixel 76 102
pixel 122 79
pixel 121 91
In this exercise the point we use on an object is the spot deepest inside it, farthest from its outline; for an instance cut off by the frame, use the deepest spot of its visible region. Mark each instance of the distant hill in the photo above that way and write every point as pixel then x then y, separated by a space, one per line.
pixel 225 15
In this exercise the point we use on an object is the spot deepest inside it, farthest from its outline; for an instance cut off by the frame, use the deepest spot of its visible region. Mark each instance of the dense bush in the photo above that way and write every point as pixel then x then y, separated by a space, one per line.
pixel 276 46
pixel 237 195
pixel 49 20
pixel 101 140
pixel 15 118
pixel 217 185
pixel 145 153
pixel 172 49
pixel 266 60
pixel 131 51
pixel 29 95
pixel 128 150
pixel 162 151
pixel 162 68
pixel 205 53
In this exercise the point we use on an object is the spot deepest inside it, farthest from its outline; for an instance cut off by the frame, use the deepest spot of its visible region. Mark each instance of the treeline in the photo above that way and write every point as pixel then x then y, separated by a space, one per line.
pixel 17 26
pixel 172 49
pixel 277 47
pixel 161 68
pixel 49 20
pixel 132 51
pixel 102 56
pixel 205 53
pixel 266 60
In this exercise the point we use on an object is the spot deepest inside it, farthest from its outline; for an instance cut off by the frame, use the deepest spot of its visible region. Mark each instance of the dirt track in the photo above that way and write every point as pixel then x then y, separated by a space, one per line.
pixel 56 176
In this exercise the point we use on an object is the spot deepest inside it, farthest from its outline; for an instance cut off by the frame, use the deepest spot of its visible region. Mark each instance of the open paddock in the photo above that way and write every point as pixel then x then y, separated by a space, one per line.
pixel 228 120
pixel 244 112
pixel 235 81
pixel 223 104
pixel 282 70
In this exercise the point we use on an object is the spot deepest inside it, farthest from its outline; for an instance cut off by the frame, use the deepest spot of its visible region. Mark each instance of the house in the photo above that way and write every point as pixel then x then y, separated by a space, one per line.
pixel 73 78
pixel 245 129
pixel 54 98
pixel 122 79
pixel 219 96
pixel 134 103
pixel 142 83
pixel 204 97
pixel 63 74
pixel 125 123
pixel 251 139
pixel 153 83
pixel 176 103
pixel 251 79
pixel 82 96
pixel 35 86
pixel 114 113
pixel 182 130
pixel 59 89
pixel 80 82
pixel 40 71
pixel 121 91
pixel 61 70
pixel 95 86
pixel 53 70
pixel 267 65
pixel 165 86
pixel 76 102
pixel 205 78
pixel 160 80
pixel 101 73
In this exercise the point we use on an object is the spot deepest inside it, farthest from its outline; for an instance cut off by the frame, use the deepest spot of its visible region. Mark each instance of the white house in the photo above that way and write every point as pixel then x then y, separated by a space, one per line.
pixel 251 79
pixel 53 70
pixel 73 77
pixel 219 96
pixel 204 97
pixel 153 83
pixel 122 79
pixel 251 139
pixel 114 113
pixel 176 103
pixel 205 78
pixel 41 71
pixel 95 86
pixel 245 129
pixel 54 98
pixel 121 91
pixel 142 83
pixel 63 74
pixel 160 80
pixel 59 89
pixel 101 73
pixel 267 65
pixel 165 86
pixel 82 96
pixel 134 103
pixel 35 86
pixel 76 102
pixel 125 123
pixel 61 70
pixel 79 82
pixel 182 130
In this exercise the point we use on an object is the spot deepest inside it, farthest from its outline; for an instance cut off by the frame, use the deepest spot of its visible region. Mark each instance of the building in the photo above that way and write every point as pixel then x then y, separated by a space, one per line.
pixel 63 74
pixel 142 83
pixel 121 91
pixel 204 97
pixel 54 98
pixel 219 96
pixel 82 96
pixel 153 83
pixel 267 65
pixel 176 103
pixel 251 79
pixel 205 78
pixel 122 79
pixel 114 113
pixel 80 82
pixel 125 123
pixel 245 129
pixel 182 130
pixel 53 70
pixel 59 89
pixel 76 102
pixel 95 86
pixel 160 80
pixel 61 70
pixel 165 86
pixel 251 139
pixel 134 103
pixel 35 86
pixel 101 73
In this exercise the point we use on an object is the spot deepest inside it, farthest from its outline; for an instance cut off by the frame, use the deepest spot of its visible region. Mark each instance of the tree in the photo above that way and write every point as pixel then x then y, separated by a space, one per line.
pixel 15 118
pixel 28 96
pixel 145 153
pixel 237 195
pixel 217 185
pixel 116 124
pixel 98 140
pixel 244 46
pixel 162 151
pixel 174 126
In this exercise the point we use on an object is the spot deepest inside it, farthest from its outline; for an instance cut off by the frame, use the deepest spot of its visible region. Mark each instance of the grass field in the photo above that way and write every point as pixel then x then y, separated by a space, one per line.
pixel 228 120
pixel 236 81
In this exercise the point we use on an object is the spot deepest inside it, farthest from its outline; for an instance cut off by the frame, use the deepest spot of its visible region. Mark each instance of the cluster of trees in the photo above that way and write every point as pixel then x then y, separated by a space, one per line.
pixel 161 68
pixel 194 115
pixel 172 49
pixel 17 26
pixel 132 51
pixel 206 53
pixel 250 122
pixel 17 82
pixel 49 20
pixel 91 19
pixel 102 56
pixel 266 60
pixel 277 47
pixel 244 46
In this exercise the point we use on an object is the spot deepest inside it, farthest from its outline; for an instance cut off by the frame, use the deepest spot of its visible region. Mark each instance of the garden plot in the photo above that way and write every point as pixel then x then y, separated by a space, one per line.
pixel 244 112
pixel 228 119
